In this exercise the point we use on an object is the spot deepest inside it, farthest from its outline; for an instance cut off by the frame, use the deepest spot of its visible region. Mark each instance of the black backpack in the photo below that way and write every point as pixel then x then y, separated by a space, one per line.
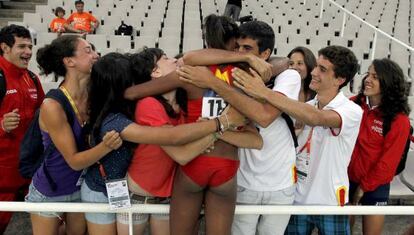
pixel 401 165
pixel 32 152
pixel 124 29
pixel 3 88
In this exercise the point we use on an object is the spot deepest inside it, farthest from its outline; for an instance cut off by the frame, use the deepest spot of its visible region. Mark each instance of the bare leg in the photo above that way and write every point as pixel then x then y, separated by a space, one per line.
pixel 42 225
pixel 101 229
pixel 220 204
pixel 75 224
pixel 372 224
pixel 123 229
pixel 186 201
pixel 160 227
pixel 410 230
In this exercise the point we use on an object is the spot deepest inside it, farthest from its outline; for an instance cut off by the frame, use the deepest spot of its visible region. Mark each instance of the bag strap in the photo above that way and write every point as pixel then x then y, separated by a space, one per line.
pixel 291 127
pixel 270 84
pixel 57 95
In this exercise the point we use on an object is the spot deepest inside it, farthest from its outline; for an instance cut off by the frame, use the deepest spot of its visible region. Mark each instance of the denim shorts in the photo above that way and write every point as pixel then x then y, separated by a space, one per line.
pixel 139 218
pixel 378 197
pixel 89 195
pixel 35 196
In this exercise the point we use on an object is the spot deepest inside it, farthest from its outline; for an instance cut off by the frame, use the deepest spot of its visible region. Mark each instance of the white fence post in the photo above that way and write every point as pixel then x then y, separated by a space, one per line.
pixel 374 45
pixel 321 12
pixel 343 24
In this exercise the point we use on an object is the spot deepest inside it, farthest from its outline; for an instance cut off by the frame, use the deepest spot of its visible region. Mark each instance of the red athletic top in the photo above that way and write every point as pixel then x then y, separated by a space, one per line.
pixel 193 110
pixel 22 94
pixel 194 106
pixel 376 158
pixel 151 168
pixel 223 72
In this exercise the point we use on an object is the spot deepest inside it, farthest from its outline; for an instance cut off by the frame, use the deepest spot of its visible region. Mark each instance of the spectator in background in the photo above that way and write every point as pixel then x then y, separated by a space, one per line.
pixel 233 8
pixel 303 60
pixel 82 21
pixel 59 24
pixel 326 144
pixel 382 138
pixel 22 95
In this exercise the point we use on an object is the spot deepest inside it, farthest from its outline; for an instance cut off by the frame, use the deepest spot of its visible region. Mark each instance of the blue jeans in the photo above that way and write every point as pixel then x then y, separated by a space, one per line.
pixel 264 224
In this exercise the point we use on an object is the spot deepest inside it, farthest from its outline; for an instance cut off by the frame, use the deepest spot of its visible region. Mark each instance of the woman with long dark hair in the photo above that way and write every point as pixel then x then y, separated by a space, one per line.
pixel 72 57
pixel 382 137
pixel 303 60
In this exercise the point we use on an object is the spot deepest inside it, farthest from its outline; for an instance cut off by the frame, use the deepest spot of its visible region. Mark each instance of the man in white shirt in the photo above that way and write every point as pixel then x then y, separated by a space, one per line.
pixel 325 147
pixel 266 176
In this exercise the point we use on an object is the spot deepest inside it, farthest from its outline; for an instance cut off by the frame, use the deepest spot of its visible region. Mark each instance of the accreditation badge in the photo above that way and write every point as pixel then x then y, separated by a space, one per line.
pixel 118 194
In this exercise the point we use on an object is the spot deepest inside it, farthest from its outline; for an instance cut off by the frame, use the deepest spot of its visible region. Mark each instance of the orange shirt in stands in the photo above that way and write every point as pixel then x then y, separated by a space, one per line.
pixel 57 25
pixel 82 21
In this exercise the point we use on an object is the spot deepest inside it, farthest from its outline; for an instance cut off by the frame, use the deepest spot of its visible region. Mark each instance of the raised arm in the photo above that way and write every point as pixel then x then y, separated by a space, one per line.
pixel 185 153
pixel 181 134
pixel 155 87
pixel 261 113
pixel 254 86
pixel 213 56
pixel 248 138
pixel 279 64
pixel 53 120
pixel 216 56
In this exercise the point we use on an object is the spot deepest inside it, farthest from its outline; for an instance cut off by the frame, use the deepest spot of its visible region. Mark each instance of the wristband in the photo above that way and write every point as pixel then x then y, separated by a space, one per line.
pixel 220 126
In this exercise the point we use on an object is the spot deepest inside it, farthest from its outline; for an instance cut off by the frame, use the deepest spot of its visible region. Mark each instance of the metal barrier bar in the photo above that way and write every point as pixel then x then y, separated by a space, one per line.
pixel 366 23
pixel 240 209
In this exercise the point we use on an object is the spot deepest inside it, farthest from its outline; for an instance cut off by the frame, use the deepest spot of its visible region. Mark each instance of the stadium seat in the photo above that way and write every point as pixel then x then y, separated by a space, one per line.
pixel 399 191
pixel 32 17
pixel 45 38
pixel 118 42
pixel 141 41
pixel 98 40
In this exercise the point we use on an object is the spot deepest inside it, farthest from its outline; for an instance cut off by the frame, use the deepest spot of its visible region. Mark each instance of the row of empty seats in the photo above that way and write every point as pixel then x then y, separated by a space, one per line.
pixel 177 24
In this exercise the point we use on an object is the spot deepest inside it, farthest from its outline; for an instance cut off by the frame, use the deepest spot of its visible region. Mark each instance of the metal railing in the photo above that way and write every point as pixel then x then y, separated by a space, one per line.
pixel 240 209
pixel 376 30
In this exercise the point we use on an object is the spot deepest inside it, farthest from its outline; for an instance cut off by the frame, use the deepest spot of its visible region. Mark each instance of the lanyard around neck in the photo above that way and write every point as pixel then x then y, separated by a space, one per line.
pixel 72 103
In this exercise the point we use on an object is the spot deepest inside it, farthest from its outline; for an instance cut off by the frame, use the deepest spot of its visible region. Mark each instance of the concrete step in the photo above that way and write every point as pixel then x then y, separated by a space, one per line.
pixel 14 13
pixel 19 5
pixel 37 1
pixel 4 21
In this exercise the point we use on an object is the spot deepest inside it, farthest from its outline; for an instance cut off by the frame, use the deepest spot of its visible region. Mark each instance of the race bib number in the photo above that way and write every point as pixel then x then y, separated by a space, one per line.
pixel 118 194
pixel 212 107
